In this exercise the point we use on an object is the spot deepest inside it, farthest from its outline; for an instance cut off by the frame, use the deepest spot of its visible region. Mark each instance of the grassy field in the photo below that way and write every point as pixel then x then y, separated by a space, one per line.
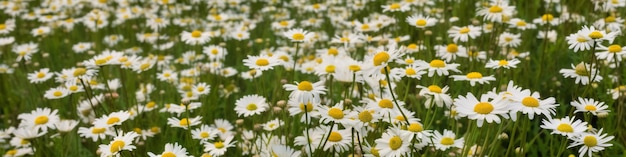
pixel 176 78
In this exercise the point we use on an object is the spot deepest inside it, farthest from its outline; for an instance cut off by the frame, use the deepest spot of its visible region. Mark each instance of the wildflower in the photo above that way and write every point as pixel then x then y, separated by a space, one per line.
pixel 503 63
pixel 195 37
pixel 273 124
pixel 474 77
pixel 529 103
pixel 446 140
pixel 485 109
pixel 583 73
pixel 298 35
pixel 261 62
pixel 204 133
pixel 305 91
pixel 610 53
pixel 450 52
pixel 251 105
pixel 438 66
pixel 284 151
pixel 171 150
pixel 56 93
pixel 184 123
pixel 115 118
pixel 394 142
pixel 590 105
pixel 40 118
pixel 565 126
pixel 40 76
pixel 396 7
pixel 65 125
pixel 120 143
pixel 338 139
pixel 507 39
pixel 218 148
pixel 463 34
pixel 435 94
pixel 420 21
pixel 591 142
pixel 496 11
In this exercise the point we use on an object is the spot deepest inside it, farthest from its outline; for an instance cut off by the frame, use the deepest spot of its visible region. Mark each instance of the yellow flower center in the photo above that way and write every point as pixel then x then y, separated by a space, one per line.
pixel 41 120
pixel 309 107
pixel 262 62
pixel 508 39
pixel 117 145
pixel 452 48
pixel 581 70
pixel 11 152
pixel 365 27
pixel 547 17
pixel 168 154
pixel 412 46
pixel 298 36
pixel 563 127
pixel 503 62
pixel 204 134
pixel 394 6
pixel 410 71
pixel 530 102
pixel 381 57
pixel 400 118
pixel 196 34
pixel 609 19
pixel 437 63
pixel 57 93
pixel 416 127
pixel 464 30
pixel 590 107
pixel 73 88
pixel 330 69
pixel 79 72
pixel 521 23
pixel 251 107
pixel 284 23
pixel 365 116
pixel 3 26
pixel 590 141
pixel 335 137
pixel 385 103
pixel 474 75
pixel 354 68
pixel 137 130
pixel 333 51
pixel 98 130
pixel 434 88
pixel 41 75
pixel 596 35
pixel 446 141
pixel 184 122
pixel 219 145
pixel 395 142
pixel 335 113
pixel 483 108
pixel 615 48
pixel 375 152
pixel 305 86
pixel 420 22
pixel 113 120
pixel 495 9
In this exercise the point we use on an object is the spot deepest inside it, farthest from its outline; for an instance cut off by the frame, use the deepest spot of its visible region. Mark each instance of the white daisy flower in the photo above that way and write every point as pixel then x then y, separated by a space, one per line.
pixel 251 105
pixel 565 126
pixel 590 105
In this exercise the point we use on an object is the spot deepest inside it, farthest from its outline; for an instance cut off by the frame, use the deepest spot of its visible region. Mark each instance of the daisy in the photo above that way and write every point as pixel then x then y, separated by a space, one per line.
pixel 284 151
pixel 195 37
pixel 24 51
pixel 565 126
pixel 215 52
pixel 410 71
pixel 610 53
pixel 529 103
pixel 305 91
pixel 251 105
pixel 617 92
pixel 184 123
pixel 394 142
pixel 218 148
pixel 7 26
pixel 435 94
pixel 420 21
pixel 579 42
pixel 497 10
pixel 168 76
pixel 204 133
pixel 503 63
pixel 171 150
pixel 296 108
pixel 40 31
pixel 298 35
pixel 261 62
pixel 446 140
pixel 463 34
pixel 438 66
pixel 589 105
pixel 520 24
pixel 18 152
pixel 201 88
pixel 40 76
pixel 597 35
pixel 583 73
pixel 40 118
pixel 335 140
pixel 113 40
pixel 5 69
pixel 487 109
pixel 65 125
pixel 450 52
pixel 82 47
pixel 56 93
pixel 113 119
pixel 591 142
pixel 120 143
pixel 336 113
pixel 396 7
pixel 507 39
pixel 474 77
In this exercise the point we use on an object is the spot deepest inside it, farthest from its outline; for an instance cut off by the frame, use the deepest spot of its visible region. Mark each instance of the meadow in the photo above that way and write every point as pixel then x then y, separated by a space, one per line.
pixel 283 78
